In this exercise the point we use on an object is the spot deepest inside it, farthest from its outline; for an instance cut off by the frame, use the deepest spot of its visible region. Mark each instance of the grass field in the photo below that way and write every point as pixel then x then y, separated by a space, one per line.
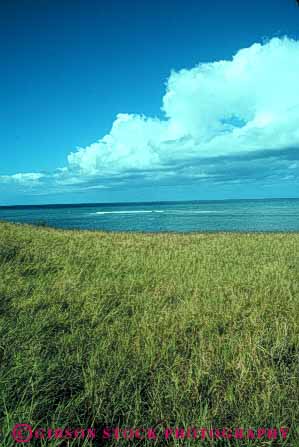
pixel 148 330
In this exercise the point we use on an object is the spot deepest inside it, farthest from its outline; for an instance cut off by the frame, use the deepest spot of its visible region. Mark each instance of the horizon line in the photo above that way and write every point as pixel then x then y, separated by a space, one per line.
pixel 87 204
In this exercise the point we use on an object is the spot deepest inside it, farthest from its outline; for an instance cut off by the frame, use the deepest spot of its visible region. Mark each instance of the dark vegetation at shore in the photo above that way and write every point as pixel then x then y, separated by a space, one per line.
pixel 127 329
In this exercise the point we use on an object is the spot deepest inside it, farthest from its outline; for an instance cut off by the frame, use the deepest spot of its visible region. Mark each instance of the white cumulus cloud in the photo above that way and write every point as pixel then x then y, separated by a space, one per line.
pixel 248 103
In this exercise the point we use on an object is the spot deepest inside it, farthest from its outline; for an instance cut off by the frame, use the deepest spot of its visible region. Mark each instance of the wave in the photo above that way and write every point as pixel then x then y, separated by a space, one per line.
pixel 129 212
pixel 195 212
pixel 157 211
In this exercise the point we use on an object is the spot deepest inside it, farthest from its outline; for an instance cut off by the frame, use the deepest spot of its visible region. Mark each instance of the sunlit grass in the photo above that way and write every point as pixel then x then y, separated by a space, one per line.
pixel 130 329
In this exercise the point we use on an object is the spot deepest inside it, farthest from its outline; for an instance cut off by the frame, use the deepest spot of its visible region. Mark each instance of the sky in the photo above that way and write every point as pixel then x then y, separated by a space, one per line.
pixel 119 101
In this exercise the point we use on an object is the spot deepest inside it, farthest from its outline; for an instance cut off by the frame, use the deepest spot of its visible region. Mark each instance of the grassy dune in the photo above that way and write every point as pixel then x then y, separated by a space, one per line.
pixel 131 329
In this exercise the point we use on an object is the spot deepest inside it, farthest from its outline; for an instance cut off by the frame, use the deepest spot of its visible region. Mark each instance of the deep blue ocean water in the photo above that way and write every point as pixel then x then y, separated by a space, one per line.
pixel 229 215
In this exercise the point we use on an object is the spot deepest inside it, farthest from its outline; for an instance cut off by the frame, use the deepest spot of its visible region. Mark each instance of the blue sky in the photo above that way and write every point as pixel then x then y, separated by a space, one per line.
pixel 108 101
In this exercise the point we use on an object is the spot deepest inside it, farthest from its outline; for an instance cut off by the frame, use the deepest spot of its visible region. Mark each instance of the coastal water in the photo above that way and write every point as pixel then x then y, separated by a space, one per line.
pixel 230 215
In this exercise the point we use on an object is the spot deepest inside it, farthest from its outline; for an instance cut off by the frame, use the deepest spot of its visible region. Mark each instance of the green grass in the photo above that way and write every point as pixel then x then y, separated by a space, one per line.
pixel 127 329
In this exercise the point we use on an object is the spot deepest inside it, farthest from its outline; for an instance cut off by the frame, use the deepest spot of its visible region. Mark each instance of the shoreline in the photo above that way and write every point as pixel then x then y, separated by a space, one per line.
pixel 134 232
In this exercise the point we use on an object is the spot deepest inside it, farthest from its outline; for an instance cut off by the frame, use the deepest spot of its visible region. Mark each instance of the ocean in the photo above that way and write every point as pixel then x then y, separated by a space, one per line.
pixel 275 215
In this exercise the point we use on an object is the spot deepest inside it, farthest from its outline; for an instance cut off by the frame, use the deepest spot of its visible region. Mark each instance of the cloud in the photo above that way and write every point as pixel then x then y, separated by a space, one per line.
pixel 23 179
pixel 246 104
pixel 229 120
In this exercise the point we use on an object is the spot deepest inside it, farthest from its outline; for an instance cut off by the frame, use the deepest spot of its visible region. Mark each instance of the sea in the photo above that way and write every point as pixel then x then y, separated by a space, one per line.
pixel 258 215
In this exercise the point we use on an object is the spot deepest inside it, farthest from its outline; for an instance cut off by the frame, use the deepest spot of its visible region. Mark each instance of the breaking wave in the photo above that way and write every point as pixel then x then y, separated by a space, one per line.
pixel 156 211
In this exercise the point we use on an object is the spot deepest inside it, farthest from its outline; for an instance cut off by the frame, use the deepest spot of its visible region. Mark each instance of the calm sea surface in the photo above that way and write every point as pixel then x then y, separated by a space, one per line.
pixel 230 215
